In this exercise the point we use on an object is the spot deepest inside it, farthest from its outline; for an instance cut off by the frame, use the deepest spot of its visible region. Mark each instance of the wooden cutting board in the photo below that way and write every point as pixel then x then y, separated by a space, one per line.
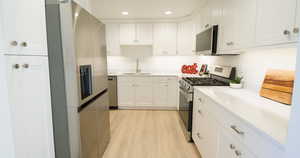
pixel 278 86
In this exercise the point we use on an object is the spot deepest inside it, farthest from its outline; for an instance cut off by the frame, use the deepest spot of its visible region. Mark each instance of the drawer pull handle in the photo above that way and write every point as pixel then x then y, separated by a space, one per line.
pixel 237 130
pixel 238 153
pixel 232 147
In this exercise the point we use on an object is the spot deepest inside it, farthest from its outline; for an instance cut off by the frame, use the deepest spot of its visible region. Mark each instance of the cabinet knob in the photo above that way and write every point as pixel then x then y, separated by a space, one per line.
pixel 14 43
pixel 26 66
pixel 232 147
pixel 286 32
pixel 200 112
pixel 238 153
pixel 198 135
pixel 296 30
pixel 200 99
pixel 24 44
pixel 16 66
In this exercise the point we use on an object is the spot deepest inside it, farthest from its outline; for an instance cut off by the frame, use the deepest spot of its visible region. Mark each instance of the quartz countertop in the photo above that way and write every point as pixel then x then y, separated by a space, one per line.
pixel 269 117
pixel 156 74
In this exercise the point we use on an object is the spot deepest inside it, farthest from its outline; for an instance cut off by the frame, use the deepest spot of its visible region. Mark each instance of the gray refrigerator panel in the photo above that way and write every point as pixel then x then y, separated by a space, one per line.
pixel 90 47
pixel 94 127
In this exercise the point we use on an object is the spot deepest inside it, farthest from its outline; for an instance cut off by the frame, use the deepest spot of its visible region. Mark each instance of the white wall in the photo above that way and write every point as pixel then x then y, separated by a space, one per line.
pixel 294 126
pixel 251 64
pixel 6 136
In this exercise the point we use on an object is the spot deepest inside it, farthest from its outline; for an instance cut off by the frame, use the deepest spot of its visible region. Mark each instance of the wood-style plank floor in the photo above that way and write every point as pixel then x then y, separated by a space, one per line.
pixel 148 134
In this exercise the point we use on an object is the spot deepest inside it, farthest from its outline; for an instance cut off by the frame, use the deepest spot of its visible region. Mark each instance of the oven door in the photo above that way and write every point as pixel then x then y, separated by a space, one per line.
pixel 186 108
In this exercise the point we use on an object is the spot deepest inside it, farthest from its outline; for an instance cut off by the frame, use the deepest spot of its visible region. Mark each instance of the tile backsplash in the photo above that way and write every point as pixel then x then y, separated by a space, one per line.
pixel 251 64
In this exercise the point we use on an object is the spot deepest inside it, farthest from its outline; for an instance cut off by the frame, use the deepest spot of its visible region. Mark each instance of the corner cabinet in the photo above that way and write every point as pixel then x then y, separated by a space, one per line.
pixel 24 26
pixel 30 101
pixel 113 39
pixel 147 92
pixel 275 21
pixel 165 39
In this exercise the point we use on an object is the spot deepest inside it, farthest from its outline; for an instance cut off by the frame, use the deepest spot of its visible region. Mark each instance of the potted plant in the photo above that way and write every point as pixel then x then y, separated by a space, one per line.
pixel 236 83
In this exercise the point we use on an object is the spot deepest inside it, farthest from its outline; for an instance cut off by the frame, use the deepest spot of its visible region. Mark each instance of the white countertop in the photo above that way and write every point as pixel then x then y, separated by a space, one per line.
pixel 267 116
pixel 156 74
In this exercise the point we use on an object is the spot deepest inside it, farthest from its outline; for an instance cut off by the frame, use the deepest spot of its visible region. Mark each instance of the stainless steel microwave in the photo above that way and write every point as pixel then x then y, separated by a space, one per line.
pixel 207 41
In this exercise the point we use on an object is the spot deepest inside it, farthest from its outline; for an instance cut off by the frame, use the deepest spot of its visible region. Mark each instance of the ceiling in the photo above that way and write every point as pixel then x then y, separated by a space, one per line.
pixel 144 9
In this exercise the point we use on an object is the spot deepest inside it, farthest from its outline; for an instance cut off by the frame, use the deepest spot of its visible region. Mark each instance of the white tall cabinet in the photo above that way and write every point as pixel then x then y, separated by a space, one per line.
pixel 24 26
pixel 30 101
pixel 23 49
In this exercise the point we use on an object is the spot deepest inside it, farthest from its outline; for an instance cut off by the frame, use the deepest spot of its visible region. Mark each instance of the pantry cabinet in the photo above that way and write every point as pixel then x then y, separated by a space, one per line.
pixel 24 26
pixel 30 101
pixel 165 39
pixel 147 92
pixel 136 34
pixel 186 41
pixel 113 39
pixel 275 21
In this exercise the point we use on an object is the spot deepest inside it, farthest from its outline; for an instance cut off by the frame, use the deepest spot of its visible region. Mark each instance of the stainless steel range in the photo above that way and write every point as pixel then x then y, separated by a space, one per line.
pixel 219 76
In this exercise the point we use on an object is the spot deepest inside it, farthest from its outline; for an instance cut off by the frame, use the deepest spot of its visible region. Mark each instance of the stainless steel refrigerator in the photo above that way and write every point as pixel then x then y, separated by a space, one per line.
pixel 78 75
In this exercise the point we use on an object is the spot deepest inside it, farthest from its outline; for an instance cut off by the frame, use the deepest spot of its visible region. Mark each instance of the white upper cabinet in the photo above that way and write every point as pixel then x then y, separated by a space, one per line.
pixel 186 41
pixel 296 29
pixel 113 39
pixel 275 21
pixel 136 34
pixel 237 25
pixel 24 25
pixel 165 39
pixel 144 34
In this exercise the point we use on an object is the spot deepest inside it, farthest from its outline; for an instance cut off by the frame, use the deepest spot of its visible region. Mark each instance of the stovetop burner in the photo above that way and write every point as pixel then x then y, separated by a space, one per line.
pixel 194 81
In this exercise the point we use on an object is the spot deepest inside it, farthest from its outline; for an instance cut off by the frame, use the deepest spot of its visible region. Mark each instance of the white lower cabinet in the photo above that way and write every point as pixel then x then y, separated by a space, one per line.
pixel 230 148
pixel 148 92
pixel 218 133
pixel 30 101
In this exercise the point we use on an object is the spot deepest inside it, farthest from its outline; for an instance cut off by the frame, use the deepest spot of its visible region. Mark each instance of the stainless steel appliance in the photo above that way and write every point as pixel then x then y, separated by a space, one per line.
pixel 91 56
pixel 78 76
pixel 113 92
pixel 219 76
pixel 207 41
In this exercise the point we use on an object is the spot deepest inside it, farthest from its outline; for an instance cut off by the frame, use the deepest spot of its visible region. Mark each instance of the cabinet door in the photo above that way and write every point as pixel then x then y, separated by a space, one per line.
pixel 173 92
pixel 296 29
pixel 143 91
pixel 128 34
pixel 113 39
pixel 126 91
pixel 30 100
pixel 160 91
pixel 144 34
pixel 275 21
pixel 187 38
pixel 25 26
pixel 165 39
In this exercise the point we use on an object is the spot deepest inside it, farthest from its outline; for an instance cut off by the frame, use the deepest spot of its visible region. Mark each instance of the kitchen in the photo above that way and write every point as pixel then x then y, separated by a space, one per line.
pixel 156 109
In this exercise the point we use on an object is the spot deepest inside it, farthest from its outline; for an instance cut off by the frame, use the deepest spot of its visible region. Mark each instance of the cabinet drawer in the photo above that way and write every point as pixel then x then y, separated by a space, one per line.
pixel 230 148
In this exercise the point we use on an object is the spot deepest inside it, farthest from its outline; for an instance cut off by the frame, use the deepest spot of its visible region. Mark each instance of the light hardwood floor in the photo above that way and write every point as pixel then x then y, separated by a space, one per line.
pixel 148 134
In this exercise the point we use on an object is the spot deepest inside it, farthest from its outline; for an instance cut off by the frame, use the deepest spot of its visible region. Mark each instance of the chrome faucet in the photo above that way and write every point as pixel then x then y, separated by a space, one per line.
pixel 137 70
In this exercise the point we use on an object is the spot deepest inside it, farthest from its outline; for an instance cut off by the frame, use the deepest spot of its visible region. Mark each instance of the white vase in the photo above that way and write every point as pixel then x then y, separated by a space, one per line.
pixel 236 86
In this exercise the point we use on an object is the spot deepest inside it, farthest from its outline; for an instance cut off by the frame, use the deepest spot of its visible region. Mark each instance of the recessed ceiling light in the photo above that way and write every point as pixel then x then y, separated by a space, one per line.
pixel 125 13
pixel 168 12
